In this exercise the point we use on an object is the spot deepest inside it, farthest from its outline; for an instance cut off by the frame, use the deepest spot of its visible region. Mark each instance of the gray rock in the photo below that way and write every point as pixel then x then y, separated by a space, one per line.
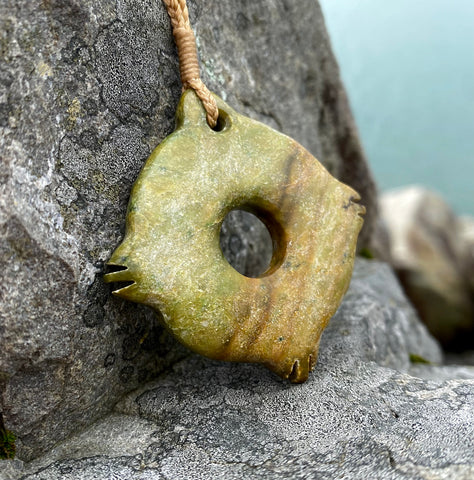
pixel 432 251
pixel 466 233
pixel 246 243
pixel 87 90
pixel 362 414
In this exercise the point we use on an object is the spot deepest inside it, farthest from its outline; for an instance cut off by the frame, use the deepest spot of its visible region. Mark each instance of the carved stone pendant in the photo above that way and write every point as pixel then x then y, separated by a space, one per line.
pixel 171 255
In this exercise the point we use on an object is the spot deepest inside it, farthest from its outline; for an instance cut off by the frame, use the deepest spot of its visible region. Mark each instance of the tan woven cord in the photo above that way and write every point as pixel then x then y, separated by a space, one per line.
pixel 188 59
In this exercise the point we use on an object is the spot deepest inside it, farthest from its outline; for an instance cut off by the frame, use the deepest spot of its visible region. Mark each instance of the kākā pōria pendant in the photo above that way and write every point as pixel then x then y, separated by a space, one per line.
pixel 172 260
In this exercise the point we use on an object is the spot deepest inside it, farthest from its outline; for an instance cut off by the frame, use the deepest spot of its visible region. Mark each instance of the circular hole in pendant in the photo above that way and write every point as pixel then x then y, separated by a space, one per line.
pixel 223 122
pixel 250 243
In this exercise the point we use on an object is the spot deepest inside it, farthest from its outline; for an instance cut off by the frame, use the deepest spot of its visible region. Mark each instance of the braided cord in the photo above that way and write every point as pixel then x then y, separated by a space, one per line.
pixel 188 58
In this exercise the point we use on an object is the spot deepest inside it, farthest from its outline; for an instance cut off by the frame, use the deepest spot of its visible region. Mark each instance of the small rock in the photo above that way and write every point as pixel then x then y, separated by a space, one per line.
pixel 466 239
pixel 433 256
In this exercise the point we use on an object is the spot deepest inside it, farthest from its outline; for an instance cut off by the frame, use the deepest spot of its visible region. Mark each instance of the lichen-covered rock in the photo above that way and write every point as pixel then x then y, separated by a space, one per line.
pixel 367 411
pixel 87 90
pixel 433 256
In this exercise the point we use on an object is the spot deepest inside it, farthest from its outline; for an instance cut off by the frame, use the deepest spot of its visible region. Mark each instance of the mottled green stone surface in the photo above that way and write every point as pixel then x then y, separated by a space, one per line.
pixel 171 248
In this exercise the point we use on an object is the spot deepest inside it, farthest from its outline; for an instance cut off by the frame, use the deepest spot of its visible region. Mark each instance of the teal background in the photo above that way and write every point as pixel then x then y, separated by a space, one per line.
pixel 408 67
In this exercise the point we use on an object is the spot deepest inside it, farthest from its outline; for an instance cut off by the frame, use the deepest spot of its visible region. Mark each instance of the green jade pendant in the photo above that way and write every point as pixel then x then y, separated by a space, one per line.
pixel 173 262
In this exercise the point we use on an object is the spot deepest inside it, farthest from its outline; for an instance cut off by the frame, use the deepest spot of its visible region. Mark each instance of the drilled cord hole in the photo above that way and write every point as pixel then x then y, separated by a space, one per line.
pixel 223 122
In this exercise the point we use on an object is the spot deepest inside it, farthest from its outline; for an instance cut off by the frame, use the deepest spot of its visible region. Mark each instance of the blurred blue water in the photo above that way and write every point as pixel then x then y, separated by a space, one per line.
pixel 408 66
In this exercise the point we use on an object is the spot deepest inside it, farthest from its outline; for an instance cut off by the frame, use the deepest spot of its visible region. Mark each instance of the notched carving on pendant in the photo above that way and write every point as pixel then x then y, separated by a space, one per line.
pixel 120 275
pixel 294 374
pixel 301 368
pixel 353 201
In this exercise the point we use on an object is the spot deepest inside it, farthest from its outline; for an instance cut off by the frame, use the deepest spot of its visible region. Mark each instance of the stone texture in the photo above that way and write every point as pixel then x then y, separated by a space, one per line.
pixel 432 252
pixel 367 411
pixel 87 90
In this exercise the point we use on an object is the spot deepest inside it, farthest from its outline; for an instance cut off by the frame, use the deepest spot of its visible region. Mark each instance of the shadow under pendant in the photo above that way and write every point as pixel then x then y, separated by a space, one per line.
pixel 173 262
